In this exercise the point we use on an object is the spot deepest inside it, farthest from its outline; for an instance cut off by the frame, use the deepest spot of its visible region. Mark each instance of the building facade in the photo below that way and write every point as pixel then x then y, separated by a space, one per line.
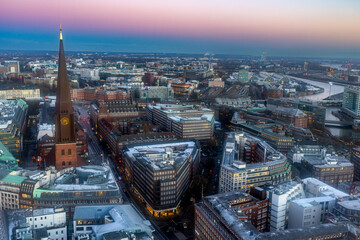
pixel 193 122
pixel 13 114
pixel 329 169
pixel 309 212
pixel 351 101
pixel 250 162
pixel 355 159
pixel 160 173
pixel 280 198
pixel 316 113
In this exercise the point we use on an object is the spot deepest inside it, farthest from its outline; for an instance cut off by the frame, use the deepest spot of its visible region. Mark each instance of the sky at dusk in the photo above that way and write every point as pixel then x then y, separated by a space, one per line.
pixel 328 28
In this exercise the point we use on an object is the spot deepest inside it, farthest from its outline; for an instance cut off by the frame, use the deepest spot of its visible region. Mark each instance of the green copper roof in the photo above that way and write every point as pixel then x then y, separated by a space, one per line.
pixel 13 179
pixel 21 103
pixel 7 160
pixel 37 192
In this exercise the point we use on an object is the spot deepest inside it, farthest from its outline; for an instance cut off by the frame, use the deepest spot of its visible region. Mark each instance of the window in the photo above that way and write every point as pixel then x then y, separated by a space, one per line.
pixel 63 163
pixel 69 152
pixel 62 152
pixel 70 163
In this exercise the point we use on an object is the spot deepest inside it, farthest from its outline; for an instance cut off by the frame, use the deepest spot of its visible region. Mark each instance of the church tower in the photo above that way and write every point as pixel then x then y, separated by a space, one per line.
pixel 65 139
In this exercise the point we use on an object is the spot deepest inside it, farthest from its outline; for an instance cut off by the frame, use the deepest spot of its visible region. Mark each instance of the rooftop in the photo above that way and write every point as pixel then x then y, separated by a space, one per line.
pixel 351 204
pixel 324 189
pixel 163 155
pixel 309 202
pixel 304 233
pixel 273 157
pixel 121 217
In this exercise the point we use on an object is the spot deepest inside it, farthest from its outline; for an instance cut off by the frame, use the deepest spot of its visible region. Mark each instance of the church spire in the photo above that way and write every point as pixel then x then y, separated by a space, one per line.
pixel 64 118
pixel 61 38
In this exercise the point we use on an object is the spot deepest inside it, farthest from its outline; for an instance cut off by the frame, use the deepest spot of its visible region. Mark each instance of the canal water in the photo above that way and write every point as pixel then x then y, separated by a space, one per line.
pixel 329 90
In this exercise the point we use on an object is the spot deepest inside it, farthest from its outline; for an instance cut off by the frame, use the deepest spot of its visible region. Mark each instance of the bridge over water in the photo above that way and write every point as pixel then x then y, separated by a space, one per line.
pixel 334 123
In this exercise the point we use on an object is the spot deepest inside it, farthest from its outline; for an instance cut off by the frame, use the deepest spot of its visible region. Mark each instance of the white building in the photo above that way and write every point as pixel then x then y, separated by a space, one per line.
pixel 280 198
pixel 97 222
pixel 46 129
pixel 90 74
pixel 316 188
pixel 42 224
pixel 309 212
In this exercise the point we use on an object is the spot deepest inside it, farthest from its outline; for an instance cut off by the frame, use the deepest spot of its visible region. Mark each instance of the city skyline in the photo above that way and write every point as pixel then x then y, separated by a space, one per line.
pixel 279 28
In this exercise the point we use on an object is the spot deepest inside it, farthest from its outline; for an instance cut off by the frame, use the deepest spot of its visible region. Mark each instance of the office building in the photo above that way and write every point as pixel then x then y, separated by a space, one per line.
pixel 91 94
pixel 279 198
pixel 12 66
pixel 351 101
pixel 217 82
pixel 242 205
pixel 13 114
pixel 7 160
pixel 250 162
pixel 322 231
pixel 218 218
pixel 180 89
pixel 309 212
pixel 154 93
pixel 316 188
pixel 274 134
pixel 329 169
pixel 296 117
pixel 10 189
pixel 160 173
pixel 243 76
pixel 130 132
pixel 186 121
pixel 86 185
pixel 114 110
pixel 148 79
pixel 355 159
pixel 18 91
pixel 316 113
pixel 47 223
pixel 110 222
pixel 349 209
pixel 298 152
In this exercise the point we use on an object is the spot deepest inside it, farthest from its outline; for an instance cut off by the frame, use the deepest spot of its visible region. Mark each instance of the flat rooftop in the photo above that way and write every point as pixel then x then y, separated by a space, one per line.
pixel 162 155
pixel 351 204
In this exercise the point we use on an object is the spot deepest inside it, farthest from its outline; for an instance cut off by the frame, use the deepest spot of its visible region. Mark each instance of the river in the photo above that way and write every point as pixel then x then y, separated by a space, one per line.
pixel 335 89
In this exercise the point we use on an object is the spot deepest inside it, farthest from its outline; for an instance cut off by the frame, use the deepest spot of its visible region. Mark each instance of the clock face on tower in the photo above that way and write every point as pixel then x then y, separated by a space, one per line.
pixel 64 121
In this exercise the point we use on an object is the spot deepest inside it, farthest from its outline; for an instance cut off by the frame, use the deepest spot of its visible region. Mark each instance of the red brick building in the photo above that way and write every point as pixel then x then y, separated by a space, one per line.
pixel 90 94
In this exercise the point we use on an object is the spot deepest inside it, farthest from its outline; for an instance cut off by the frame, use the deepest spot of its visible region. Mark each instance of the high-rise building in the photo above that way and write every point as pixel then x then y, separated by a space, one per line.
pixel 351 101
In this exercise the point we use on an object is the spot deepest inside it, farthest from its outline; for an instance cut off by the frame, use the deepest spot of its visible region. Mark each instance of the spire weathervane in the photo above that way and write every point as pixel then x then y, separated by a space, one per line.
pixel 61 38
